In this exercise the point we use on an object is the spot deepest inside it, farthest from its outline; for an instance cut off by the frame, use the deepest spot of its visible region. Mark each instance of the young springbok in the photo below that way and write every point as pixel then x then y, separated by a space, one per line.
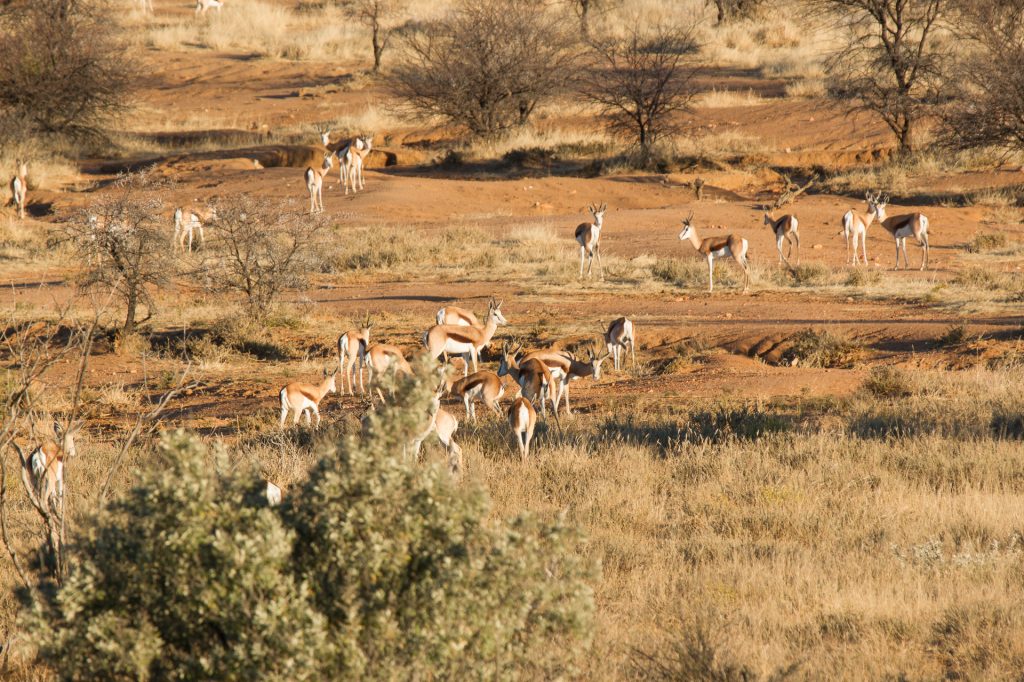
pixel 315 183
pixel 717 247
pixel 484 386
pixel 352 347
pixel 856 224
pixel 47 462
pixel 187 224
pixel 785 228
pixel 300 398
pixel 19 188
pixel 523 420
pixel 617 338
pixel 466 341
pixel 588 236
pixel 902 226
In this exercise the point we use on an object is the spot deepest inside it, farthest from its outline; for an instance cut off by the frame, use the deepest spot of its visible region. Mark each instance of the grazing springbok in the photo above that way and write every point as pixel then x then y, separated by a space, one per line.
pixel 533 376
pixel 588 236
pixel 443 424
pixel 19 188
pixel 565 369
pixel 617 338
pixel 523 420
pixel 47 463
pixel 315 183
pixel 484 386
pixel 202 6
pixel 717 247
pixel 352 347
pixel 856 224
pixel 188 224
pixel 300 398
pixel 785 228
pixel 902 226
pixel 382 357
pixel 454 339
pixel 273 495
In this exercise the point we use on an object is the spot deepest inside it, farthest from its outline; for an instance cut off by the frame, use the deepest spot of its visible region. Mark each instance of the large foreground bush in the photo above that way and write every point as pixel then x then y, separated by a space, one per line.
pixel 376 566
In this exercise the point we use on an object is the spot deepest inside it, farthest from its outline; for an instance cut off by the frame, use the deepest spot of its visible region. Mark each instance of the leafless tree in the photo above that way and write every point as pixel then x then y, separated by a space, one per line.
pixel 260 249
pixel 728 10
pixel 890 64
pixel 62 67
pixel 382 18
pixel 984 103
pixel 123 244
pixel 643 81
pixel 487 64
pixel 585 9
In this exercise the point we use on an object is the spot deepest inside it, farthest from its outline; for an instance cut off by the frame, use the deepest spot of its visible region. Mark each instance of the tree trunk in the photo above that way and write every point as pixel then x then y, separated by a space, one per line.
pixel 378 49
pixel 585 18
pixel 907 136
pixel 129 320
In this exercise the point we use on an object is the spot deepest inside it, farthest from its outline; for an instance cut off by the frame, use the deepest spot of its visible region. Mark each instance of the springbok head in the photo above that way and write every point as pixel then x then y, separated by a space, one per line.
pixel 494 310
pixel 687 227
pixel 597 212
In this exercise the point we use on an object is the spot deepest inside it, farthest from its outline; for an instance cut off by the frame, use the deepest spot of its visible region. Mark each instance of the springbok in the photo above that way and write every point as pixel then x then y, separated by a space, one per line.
pixel 444 425
pixel 533 376
pixel 19 188
pixel 588 236
pixel 47 463
pixel 273 495
pixel 381 357
pixel 203 5
pixel 565 369
pixel 855 225
pixel 455 315
pixel 352 347
pixel 186 225
pixel 618 337
pixel 717 247
pixel 523 420
pixel 902 226
pixel 354 159
pixel 484 386
pixel 466 341
pixel 785 228
pixel 315 183
pixel 300 398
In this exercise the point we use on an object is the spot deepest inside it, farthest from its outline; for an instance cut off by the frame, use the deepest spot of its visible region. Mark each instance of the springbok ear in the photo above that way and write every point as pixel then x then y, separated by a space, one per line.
pixel 58 430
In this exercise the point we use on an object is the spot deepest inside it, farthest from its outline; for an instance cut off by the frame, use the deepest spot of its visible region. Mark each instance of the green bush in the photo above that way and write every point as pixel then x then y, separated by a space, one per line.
pixel 375 567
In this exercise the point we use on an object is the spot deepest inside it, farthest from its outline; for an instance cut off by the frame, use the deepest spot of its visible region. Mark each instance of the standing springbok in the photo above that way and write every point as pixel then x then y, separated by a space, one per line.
pixel 717 247
pixel 203 5
pixel 186 225
pixel 484 386
pixel 19 188
pixel 47 462
pixel 352 347
pixel 444 424
pixel 856 224
pixel 902 226
pixel 382 357
pixel 617 338
pixel 533 376
pixel 300 398
pixel 785 228
pixel 466 341
pixel 315 183
pixel 523 420
pixel 451 314
pixel 565 369
pixel 588 236
pixel 354 159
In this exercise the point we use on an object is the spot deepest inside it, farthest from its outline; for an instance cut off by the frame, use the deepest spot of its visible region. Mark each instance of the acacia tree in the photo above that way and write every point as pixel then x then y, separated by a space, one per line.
pixel 62 68
pixel 382 18
pixel 643 81
pixel 486 65
pixel 259 249
pixel 121 243
pixel 984 103
pixel 890 65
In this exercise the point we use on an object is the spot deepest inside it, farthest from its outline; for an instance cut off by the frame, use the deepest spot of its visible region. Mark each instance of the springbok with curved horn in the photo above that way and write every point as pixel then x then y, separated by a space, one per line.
pixel 856 224
pixel 465 341
pixel 19 188
pixel 299 398
pixel 785 228
pixel 588 236
pixel 620 336
pixel 902 226
pixel 523 420
pixel 717 247
pixel 315 183
pixel 352 347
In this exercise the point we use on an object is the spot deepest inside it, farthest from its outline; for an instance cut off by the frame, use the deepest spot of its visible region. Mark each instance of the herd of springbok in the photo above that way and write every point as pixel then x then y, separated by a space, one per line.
pixel 540 377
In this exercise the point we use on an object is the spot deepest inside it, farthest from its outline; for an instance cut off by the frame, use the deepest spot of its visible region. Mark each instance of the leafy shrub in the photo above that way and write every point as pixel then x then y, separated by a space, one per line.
pixel 821 348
